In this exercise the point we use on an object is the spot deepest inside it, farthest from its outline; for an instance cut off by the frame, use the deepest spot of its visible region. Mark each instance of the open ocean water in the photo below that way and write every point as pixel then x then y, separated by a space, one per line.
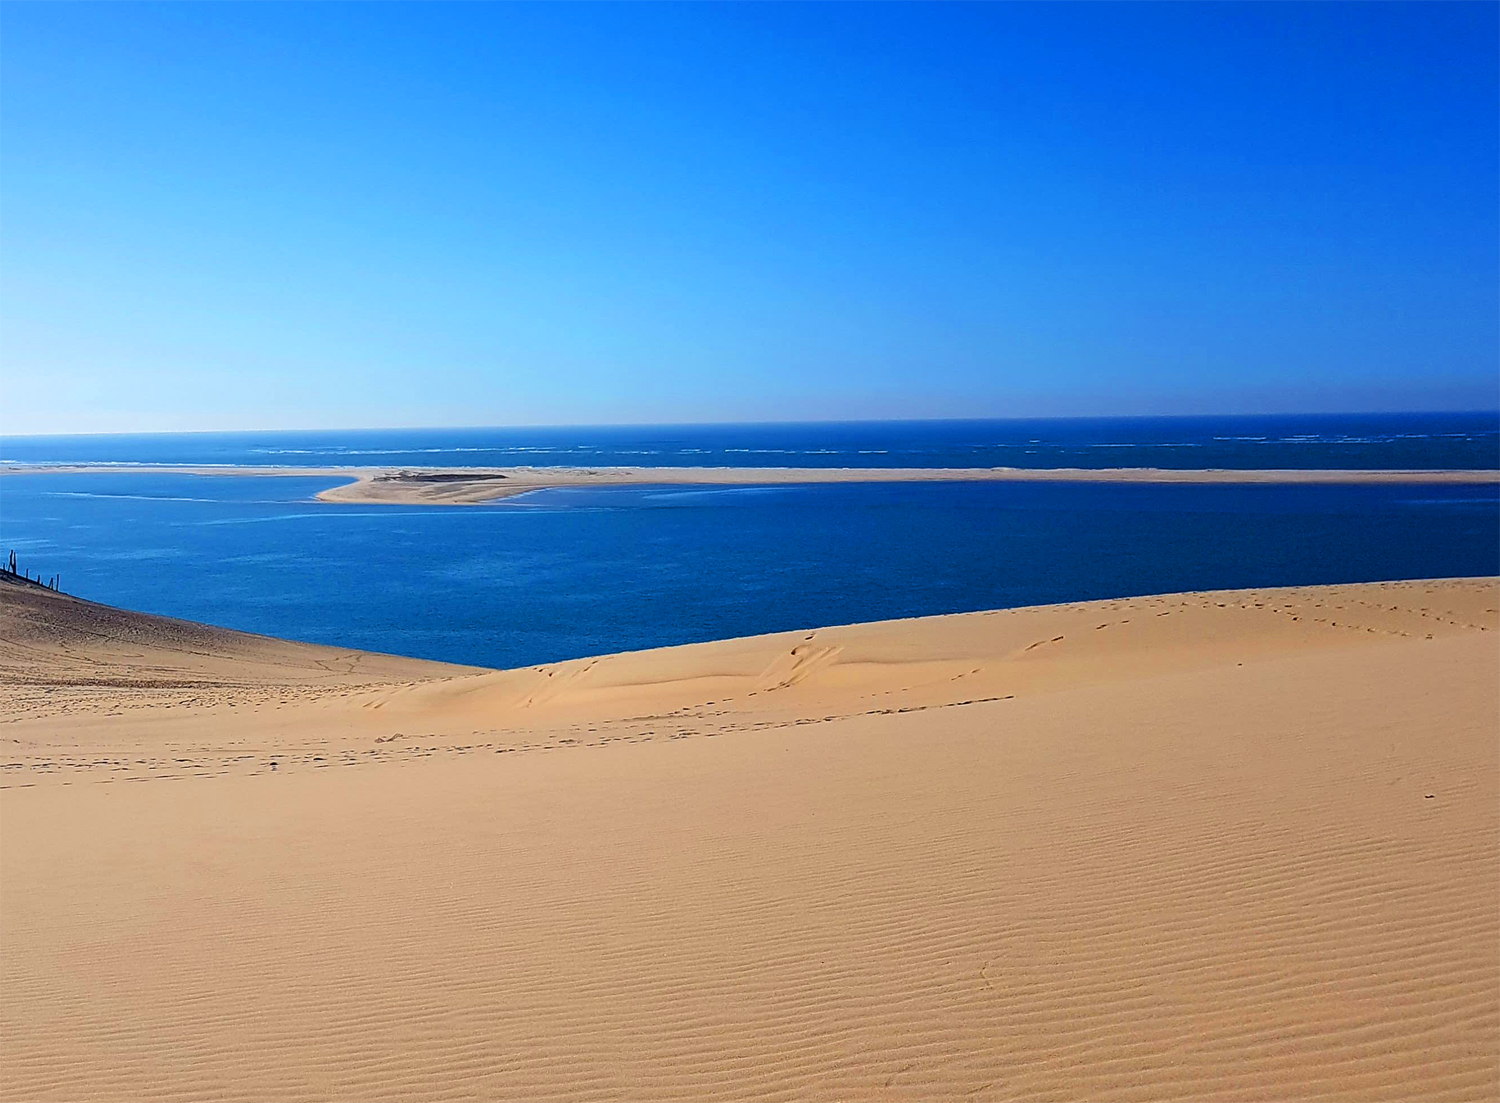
pixel 1445 440
pixel 560 574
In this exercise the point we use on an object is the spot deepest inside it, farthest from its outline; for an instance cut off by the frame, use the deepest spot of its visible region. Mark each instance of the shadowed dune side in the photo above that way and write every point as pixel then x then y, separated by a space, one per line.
pixel 55 639
pixel 86 688
pixel 1233 845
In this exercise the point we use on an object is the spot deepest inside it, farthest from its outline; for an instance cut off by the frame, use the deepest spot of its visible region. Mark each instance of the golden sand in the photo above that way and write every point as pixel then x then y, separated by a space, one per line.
pixel 1239 845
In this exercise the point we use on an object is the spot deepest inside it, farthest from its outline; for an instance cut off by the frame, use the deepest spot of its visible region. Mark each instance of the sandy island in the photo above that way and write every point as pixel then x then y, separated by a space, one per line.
pixel 438 487
pixel 1239 845
pixel 476 485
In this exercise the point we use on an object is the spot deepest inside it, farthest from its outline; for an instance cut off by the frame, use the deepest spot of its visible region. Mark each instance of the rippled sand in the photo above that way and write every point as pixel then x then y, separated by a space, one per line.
pixel 1237 845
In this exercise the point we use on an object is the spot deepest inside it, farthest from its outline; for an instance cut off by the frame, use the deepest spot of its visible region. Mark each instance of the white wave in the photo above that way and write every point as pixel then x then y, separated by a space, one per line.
pixel 89 465
pixel 125 497
pixel 384 451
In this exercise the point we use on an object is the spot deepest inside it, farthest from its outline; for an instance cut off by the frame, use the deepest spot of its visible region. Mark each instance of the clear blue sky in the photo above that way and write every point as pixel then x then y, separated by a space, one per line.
pixel 274 216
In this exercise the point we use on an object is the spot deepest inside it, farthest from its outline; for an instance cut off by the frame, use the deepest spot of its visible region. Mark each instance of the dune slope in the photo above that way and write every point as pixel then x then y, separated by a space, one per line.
pixel 1235 845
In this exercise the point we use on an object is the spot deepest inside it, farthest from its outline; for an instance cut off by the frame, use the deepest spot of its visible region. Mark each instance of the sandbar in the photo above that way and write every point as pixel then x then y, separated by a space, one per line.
pixel 477 486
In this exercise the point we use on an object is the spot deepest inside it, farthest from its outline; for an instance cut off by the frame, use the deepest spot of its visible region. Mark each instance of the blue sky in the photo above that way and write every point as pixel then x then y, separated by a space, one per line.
pixel 272 216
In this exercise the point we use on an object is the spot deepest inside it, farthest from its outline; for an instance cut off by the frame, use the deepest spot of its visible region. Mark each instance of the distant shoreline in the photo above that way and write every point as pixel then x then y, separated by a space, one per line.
pixel 476 486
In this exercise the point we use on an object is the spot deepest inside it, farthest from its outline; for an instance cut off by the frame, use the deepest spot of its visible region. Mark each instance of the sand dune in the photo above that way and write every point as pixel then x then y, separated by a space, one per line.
pixel 1239 845
pixel 54 639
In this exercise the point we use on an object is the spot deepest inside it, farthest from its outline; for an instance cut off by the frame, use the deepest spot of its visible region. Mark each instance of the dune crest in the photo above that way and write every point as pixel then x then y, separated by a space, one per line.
pixel 1236 845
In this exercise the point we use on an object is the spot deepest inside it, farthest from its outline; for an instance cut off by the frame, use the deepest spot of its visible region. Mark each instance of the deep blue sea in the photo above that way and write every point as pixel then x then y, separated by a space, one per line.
pixel 1446 440
pixel 564 573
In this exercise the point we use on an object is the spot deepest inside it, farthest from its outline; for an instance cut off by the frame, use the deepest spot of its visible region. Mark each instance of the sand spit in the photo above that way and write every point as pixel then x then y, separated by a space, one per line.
pixel 475 486
pixel 1240 845
pixel 418 487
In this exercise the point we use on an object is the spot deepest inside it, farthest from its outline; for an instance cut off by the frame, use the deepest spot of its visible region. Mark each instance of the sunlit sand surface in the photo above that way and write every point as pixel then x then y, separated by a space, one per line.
pixel 1239 845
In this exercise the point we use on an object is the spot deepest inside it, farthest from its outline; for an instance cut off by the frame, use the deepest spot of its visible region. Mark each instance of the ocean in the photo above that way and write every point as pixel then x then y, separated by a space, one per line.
pixel 1387 441
pixel 560 574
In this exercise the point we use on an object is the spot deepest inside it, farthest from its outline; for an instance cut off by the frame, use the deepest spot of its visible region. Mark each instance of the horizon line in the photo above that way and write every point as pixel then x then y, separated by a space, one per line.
pixel 1474 411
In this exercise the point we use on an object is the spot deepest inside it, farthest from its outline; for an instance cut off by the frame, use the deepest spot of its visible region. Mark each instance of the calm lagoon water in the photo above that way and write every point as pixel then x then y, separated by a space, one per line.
pixel 564 573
